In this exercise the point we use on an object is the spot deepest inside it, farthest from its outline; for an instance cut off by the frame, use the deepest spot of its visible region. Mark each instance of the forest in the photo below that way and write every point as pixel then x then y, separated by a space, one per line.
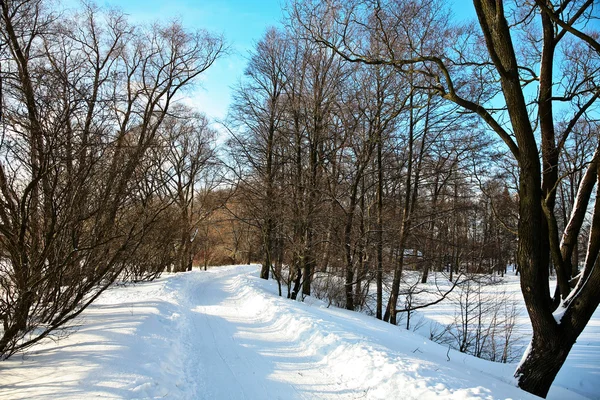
pixel 371 147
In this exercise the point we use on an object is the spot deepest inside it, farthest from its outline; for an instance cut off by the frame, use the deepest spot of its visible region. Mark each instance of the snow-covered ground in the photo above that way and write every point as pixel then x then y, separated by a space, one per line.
pixel 581 371
pixel 224 334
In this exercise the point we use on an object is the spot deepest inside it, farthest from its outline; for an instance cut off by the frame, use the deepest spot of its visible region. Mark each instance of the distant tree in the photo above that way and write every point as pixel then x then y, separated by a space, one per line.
pixel 189 164
pixel 257 117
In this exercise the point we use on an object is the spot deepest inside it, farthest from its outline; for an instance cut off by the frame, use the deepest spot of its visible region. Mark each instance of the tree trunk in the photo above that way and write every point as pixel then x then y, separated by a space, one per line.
pixel 542 361
pixel 390 312
pixel 268 246
pixel 348 248
pixel 309 264
pixel 297 283
pixel 379 277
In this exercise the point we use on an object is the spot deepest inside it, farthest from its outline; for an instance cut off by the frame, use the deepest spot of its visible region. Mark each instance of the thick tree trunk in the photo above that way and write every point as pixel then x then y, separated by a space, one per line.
pixel 545 357
pixel 297 282
pixel 268 248
pixel 390 312
pixel 542 361
pixel 533 232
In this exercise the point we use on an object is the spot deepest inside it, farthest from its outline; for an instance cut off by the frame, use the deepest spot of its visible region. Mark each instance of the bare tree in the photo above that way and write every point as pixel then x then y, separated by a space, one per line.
pixel 189 162
pixel 85 96
pixel 258 116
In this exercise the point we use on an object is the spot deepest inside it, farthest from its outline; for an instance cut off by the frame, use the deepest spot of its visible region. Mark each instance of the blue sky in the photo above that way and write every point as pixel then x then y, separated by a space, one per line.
pixel 242 23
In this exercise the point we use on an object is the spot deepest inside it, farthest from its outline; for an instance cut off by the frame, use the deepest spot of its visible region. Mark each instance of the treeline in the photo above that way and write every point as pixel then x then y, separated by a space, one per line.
pixel 356 172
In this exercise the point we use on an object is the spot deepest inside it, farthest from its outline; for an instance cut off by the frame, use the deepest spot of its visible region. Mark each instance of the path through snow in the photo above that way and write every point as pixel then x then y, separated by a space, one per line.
pixel 223 334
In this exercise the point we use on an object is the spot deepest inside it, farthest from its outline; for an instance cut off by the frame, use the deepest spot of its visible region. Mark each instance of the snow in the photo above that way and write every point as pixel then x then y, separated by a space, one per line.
pixel 559 313
pixel 225 334
pixel 580 375
pixel 523 358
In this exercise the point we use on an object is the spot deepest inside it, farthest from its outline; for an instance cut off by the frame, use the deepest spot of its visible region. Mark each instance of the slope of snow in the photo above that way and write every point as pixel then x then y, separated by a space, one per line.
pixel 581 371
pixel 224 334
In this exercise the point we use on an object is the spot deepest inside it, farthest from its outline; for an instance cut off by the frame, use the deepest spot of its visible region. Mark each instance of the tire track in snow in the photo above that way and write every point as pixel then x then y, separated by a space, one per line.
pixel 216 364
pixel 242 337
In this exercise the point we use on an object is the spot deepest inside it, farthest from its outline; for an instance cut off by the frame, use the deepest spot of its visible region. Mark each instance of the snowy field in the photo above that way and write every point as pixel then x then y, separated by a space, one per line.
pixel 581 371
pixel 224 334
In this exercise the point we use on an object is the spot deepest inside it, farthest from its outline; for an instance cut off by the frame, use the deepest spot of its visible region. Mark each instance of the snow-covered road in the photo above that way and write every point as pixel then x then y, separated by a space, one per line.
pixel 224 334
